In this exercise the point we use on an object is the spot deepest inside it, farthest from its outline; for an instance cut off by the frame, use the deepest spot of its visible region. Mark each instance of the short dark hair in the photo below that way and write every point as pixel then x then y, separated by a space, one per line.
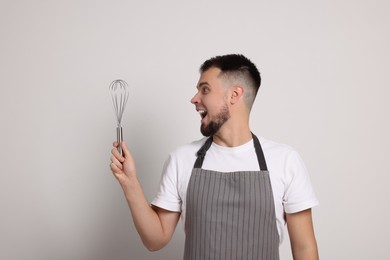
pixel 236 65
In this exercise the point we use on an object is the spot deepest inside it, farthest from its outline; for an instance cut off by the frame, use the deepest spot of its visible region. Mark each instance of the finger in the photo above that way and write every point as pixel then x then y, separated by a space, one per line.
pixel 117 154
pixel 115 170
pixel 115 144
pixel 115 161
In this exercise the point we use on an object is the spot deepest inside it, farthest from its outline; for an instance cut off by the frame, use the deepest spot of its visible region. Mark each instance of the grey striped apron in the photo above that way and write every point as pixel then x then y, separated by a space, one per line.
pixel 230 215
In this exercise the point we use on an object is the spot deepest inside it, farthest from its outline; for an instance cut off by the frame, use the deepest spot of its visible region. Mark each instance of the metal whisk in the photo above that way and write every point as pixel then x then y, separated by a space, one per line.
pixel 119 92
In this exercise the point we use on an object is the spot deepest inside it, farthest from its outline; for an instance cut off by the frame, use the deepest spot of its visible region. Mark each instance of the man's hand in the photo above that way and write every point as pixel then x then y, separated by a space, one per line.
pixel 123 167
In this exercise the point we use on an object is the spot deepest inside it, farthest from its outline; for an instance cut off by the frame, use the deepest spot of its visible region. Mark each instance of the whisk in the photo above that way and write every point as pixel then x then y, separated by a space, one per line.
pixel 119 92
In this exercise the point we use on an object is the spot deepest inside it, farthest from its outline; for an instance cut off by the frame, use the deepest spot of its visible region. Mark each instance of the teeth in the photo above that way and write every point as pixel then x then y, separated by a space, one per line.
pixel 202 113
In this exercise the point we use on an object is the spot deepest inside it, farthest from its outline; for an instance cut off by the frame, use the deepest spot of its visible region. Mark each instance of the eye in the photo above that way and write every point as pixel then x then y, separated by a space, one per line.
pixel 205 90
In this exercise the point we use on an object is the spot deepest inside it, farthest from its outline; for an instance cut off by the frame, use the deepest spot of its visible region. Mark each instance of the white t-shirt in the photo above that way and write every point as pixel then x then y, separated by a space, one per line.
pixel 290 181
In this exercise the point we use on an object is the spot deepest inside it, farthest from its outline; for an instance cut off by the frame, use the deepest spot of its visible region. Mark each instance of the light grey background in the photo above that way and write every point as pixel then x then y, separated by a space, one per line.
pixel 325 91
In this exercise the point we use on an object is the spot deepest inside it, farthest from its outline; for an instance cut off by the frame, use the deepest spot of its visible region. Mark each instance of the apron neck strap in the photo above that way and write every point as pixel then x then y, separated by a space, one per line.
pixel 259 152
pixel 202 153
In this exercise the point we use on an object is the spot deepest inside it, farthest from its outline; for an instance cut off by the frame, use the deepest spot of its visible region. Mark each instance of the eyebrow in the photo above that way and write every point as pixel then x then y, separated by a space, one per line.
pixel 202 83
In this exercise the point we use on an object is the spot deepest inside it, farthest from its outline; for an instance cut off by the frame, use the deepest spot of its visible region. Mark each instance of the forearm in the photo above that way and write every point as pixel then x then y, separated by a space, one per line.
pixel 146 220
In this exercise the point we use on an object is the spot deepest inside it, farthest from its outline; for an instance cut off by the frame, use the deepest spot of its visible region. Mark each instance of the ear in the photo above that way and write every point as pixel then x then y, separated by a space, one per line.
pixel 236 94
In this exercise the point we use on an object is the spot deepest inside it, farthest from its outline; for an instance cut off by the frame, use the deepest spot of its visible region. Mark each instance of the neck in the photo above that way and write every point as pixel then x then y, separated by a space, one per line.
pixel 232 137
pixel 235 131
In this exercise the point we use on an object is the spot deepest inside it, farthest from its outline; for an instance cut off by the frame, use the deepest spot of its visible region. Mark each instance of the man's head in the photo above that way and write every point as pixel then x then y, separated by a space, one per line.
pixel 226 89
pixel 236 69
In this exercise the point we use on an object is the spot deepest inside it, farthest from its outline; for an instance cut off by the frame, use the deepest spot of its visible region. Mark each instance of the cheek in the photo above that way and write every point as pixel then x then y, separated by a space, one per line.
pixel 215 104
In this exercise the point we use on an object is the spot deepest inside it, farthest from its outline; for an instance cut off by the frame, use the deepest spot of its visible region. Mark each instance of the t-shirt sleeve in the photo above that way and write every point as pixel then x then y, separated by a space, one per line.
pixel 299 194
pixel 167 196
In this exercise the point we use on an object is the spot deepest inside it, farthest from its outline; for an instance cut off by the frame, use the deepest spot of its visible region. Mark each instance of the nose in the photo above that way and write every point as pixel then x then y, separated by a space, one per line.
pixel 195 99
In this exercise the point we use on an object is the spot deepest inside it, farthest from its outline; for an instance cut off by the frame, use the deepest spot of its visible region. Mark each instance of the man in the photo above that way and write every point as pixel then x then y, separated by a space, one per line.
pixel 233 191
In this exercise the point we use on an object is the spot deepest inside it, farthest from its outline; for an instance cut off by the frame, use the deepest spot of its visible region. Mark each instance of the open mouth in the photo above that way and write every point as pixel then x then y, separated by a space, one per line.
pixel 202 113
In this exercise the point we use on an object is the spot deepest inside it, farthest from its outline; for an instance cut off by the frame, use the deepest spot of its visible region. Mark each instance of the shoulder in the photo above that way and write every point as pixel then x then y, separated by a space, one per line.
pixel 188 149
pixel 185 155
pixel 274 149
pixel 283 160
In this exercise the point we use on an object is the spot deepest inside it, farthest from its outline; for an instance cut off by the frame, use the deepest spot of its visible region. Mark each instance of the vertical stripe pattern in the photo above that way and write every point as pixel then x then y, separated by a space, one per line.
pixel 230 216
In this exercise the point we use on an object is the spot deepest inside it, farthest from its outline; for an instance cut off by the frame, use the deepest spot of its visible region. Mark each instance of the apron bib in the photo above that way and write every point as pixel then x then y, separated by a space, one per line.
pixel 230 215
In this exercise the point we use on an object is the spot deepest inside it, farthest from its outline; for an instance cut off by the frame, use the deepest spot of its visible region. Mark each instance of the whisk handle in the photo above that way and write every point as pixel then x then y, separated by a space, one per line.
pixel 119 138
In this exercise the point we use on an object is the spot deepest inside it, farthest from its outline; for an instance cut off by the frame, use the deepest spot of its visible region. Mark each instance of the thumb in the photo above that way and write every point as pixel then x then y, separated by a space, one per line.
pixel 125 149
pixel 129 163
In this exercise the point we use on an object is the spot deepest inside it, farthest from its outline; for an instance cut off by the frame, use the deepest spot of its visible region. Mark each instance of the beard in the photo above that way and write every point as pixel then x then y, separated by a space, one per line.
pixel 213 127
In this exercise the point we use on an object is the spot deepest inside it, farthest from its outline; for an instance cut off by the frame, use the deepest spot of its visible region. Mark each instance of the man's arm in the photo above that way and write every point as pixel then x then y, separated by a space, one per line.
pixel 302 238
pixel 154 225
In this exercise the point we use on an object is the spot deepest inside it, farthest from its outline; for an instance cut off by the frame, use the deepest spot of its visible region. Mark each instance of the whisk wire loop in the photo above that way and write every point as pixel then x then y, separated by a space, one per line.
pixel 119 95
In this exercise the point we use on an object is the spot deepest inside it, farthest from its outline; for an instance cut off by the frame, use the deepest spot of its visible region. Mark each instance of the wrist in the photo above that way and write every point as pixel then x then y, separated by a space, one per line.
pixel 130 186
